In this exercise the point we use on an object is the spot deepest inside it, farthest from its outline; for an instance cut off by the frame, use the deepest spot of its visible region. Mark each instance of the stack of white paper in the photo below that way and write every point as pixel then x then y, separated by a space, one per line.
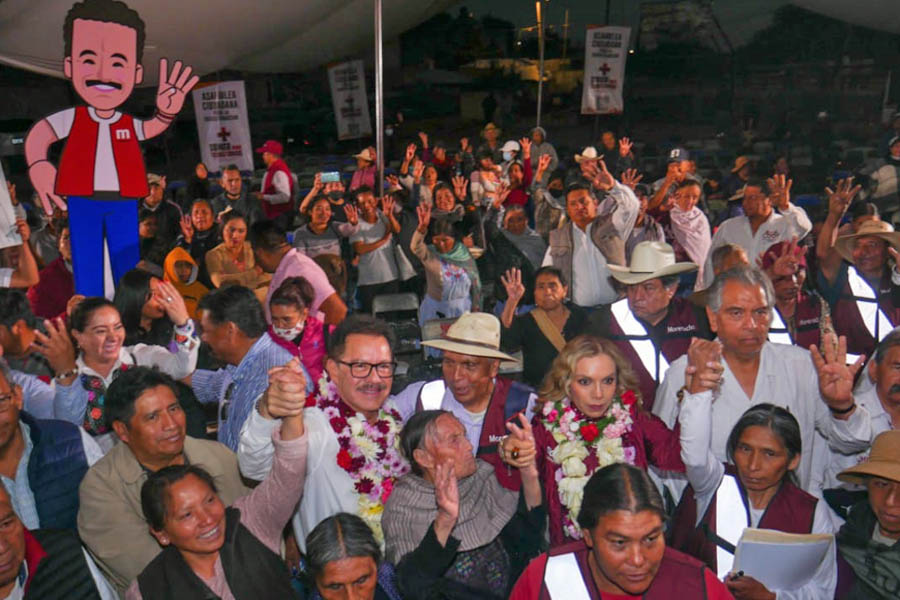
pixel 778 560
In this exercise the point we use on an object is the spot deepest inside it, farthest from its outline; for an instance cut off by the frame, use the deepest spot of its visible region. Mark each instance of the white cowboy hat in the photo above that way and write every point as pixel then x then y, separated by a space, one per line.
pixel 589 153
pixel 475 334
pixel 650 260
pixel 366 154
pixel 879 229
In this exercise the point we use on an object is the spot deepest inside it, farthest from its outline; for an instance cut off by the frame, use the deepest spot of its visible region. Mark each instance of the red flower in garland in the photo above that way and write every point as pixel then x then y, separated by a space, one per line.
pixel 338 423
pixel 382 426
pixel 629 399
pixel 364 485
pixel 344 460
pixel 589 432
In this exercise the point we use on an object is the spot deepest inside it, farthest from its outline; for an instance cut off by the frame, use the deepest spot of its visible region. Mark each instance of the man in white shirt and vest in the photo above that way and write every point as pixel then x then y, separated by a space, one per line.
pixel 472 389
pixel 593 238
pixel 855 274
pixel 650 325
pixel 769 217
pixel 816 389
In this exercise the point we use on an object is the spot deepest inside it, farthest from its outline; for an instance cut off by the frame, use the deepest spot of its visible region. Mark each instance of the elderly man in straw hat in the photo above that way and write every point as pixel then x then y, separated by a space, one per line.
pixel 472 389
pixel 869 542
pixel 769 217
pixel 650 325
pixel 365 169
pixel 856 276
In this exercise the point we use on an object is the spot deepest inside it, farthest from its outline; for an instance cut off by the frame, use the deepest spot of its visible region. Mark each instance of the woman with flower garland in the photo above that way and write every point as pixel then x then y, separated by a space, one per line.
pixel 589 415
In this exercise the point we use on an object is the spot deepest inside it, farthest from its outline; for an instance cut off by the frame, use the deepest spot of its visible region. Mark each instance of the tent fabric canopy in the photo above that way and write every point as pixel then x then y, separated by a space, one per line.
pixel 276 36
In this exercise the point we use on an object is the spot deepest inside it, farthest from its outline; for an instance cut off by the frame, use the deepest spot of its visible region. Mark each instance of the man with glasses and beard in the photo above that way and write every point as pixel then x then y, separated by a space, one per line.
pixel 354 455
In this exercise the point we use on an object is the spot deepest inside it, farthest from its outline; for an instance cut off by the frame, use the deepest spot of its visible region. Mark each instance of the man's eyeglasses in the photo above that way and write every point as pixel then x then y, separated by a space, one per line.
pixel 361 370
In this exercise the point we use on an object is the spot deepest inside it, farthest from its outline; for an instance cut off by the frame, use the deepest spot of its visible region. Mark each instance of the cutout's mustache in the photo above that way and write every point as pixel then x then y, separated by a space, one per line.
pixel 95 82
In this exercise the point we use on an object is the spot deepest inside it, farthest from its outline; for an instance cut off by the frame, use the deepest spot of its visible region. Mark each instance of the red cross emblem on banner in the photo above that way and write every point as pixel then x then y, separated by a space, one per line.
pixel 604 68
pixel 223 134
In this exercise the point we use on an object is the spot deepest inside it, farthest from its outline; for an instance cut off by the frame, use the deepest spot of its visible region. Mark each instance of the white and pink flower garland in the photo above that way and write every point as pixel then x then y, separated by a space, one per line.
pixel 575 439
pixel 369 452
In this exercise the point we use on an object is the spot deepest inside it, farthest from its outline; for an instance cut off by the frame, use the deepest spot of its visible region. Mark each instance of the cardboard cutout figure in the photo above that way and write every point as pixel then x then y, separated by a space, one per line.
pixel 101 172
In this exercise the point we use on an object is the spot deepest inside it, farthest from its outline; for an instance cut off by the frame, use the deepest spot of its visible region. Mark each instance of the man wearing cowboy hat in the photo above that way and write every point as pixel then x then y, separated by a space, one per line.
pixel 593 237
pixel 855 275
pixel 868 541
pixel 472 389
pixel 277 191
pixel 761 225
pixel 365 169
pixel 650 325
pixel 800 318
pixel 740 175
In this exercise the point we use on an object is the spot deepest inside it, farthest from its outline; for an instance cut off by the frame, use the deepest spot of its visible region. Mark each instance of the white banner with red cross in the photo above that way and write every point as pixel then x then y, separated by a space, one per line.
pixel 348 97
pixel 605 51
pixel 222 126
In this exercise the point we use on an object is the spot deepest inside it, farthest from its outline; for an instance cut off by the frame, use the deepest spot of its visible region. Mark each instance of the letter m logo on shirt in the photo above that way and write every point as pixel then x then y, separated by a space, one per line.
pixel 122 134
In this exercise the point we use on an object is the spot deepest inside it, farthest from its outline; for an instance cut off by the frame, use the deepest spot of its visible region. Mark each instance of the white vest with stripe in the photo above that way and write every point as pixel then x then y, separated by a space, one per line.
pixel 563 579
pixel 432 394
pixel 653 360
pixel 731 520
pixel 781 334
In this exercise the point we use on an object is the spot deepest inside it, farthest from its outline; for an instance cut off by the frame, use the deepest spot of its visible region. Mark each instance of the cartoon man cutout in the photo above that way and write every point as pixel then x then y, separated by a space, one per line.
pixel 101 172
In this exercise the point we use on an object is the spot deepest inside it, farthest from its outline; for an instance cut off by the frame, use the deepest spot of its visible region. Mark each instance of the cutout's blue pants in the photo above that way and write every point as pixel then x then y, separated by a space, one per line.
pixel 90 220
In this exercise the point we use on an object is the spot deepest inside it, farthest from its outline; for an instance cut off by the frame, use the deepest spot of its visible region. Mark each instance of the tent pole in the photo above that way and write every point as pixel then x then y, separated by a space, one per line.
pixel 540 24
pixel 379 100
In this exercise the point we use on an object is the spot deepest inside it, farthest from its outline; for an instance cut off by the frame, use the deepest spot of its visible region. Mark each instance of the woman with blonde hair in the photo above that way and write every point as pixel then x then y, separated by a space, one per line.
pixel 589 415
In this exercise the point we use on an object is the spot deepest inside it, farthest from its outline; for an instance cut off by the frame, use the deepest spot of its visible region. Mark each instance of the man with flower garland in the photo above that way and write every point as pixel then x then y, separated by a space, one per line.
pixel 473 390
pixel 354 456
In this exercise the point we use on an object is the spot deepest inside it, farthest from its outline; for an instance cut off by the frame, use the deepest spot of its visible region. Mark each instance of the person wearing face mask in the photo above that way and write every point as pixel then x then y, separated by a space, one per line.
pixel 295 329
pixel 510 151
pixel 335 192
pixel 453 285
pixel 589 415
pixel 232 262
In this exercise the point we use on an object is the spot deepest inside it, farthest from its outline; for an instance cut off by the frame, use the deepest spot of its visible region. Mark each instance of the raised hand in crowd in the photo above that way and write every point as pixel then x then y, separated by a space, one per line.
pixel 285 398
pixel 317 184
pixel 543 164
pixel 424 137
pixel 515 289
pixel 352 213
pixel 519 450
pixel 460 184
pixel 841 197
pixel 73 302
pixel 525 144
pixel 787 259
pixel 603 179
pixel 387 205
pixel 172 303
pixel 501 194
pixel 57 347
pixel 23 230
pixel 393 181
pixel 187 228
pixel 418 169
pixel 423 212
pixel 625 145
pixel 704 369
pixel 410 154
pixel 446 496
pixel 780 189
pixel 835 375
pixel 631 177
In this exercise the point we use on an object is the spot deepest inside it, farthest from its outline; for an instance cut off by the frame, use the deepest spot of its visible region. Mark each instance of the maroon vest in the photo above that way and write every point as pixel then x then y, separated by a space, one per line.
pixel 677 571
pixel 509 398
pixel 273 210
pixel 807 320
pixel 791 510
pixel 680 324
pixel 848 322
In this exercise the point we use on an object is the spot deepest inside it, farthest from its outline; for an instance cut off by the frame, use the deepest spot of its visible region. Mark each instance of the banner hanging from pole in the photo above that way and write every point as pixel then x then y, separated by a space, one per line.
pixel 348 97
pixel 605 51
pixel 222 126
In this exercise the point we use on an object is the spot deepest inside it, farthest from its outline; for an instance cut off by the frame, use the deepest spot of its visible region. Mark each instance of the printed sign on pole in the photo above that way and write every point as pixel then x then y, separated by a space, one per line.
pixel 605 51
pixel 348 96
pixel 222 126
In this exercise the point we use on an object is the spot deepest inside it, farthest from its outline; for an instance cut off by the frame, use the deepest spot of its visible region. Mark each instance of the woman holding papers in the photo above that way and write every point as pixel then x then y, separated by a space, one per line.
pixel 757 490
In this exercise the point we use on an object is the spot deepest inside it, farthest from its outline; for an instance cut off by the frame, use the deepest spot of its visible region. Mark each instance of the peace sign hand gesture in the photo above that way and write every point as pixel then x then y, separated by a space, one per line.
pixel 174 87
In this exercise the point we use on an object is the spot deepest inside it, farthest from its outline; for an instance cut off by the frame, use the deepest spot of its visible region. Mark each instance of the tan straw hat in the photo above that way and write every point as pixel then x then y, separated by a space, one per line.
pixel 475 334
pixel 367 154
pixel 739 163
pixel 879 229
pixel 883 461
pixel 650 260
pixel 491 127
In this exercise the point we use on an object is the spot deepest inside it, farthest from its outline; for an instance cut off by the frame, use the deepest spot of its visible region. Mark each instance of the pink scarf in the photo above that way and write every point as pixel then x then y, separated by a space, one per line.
pixel 691 230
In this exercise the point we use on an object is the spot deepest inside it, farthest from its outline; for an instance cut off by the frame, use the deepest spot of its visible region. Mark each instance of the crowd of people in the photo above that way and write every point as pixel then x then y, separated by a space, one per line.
pixel 228 422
